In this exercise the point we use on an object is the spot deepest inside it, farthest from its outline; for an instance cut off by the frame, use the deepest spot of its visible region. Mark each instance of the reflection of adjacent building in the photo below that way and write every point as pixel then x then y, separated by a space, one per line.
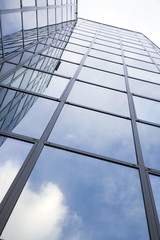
pixel 14 104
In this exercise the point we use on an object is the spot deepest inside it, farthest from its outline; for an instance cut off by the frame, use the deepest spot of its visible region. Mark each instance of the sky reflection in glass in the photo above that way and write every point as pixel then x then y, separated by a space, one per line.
pixel 100 98
pixel 14 153
pixel 150 143
pixel 69 196
pixel 155 182
pixel 95 132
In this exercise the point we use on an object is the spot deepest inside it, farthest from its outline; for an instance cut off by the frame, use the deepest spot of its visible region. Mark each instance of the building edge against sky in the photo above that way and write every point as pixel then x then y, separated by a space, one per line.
pixel 79 119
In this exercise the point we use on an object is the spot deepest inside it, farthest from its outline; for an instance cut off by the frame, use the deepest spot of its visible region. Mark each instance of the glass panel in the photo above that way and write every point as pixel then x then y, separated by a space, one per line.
pixel 75 197
pixel 137 56
pixel 92 131
pixel 7 4
pixel 147 110
pixel 41 2
pixel 25 114
pixel 145 75
pixel 14 153
pixel 6 67
pixel 155 182
pixel 76 48
pixel 102 78
pixel 141 64
pixel 145 89
pixel 104 65
pixel 58 15
pixel 11 23
pixel 107 49
pixel 67 69
pixel 42 18
pixel 73 57
pixel 150 143
pixel 51 16
pixel 29 24
pixel 78 41
pixel 28 3
pixel 56 86
pixel 156 60
pixel 100 98
pixel 105 55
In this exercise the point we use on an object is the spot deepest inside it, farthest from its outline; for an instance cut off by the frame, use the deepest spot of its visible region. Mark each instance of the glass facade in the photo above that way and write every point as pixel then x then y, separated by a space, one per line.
pixel 79 127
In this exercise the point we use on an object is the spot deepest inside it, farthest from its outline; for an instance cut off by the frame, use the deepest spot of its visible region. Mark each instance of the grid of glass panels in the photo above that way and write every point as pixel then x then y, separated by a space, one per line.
pixel 23 22
pixel 80 134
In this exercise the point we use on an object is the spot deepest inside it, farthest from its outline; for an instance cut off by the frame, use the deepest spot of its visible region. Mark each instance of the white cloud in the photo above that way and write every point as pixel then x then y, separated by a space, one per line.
pixel 37 215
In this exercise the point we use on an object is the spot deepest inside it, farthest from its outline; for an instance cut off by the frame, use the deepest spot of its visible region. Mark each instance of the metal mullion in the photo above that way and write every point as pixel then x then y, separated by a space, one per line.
pixel 151 215
pixel 92 155
pixel 22 64
pixel 153 61
pixel 29 92
pixel 145 97
pixel 106 60
pixel 2 41
pixel 97 110
pixel 102 86
pixel 102 70
pixel 142 69
pixel 19 182
pixel 148 123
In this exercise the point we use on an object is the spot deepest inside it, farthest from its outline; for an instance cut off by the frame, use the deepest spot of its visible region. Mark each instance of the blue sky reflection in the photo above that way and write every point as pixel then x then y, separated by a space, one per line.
pixel 70 196
pixel 95 132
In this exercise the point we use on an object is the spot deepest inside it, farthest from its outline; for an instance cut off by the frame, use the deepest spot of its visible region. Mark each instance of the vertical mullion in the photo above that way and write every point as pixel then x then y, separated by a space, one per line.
pixel 152 217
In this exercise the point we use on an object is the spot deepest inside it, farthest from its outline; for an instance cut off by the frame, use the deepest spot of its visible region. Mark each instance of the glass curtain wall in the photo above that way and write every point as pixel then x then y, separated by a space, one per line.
pixel 80 135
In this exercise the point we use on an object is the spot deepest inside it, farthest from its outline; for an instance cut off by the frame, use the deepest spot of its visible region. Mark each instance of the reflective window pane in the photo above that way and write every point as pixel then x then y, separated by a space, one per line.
pixel 106 48
pixel 42 18
pixel 94 132
pixel 105 55
pixel 67 69
pixel 104 65
pixel 150 143
pixel 70 56
pixel 29 24
pixel 144 88
pixel 11 23
pixel 141 64
pixel 9 4
pixel 137 56
pixel 144 75
pixel 102 78
pixel 25 114
pixel 100 98
pixel 14 153
pixel 28 3
pixel 76 48
pixel 155 182
pixel 70 196
pixel 147 110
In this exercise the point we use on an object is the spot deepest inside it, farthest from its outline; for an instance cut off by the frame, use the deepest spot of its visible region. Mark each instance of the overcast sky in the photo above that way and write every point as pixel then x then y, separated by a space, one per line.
pixel 137 15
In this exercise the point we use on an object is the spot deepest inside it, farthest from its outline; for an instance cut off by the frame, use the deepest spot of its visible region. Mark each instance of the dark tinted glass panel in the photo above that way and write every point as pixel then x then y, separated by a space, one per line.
pixel 100 98
pixel 102 78
pixel 14 153
pixel 94 132
pixel 150 143
pixel 75 197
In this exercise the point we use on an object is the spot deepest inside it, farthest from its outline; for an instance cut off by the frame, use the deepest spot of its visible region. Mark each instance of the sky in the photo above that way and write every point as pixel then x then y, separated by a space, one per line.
pixel 137 15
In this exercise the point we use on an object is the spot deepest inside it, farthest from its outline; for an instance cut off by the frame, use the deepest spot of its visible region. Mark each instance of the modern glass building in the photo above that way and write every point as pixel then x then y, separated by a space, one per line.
pixel 79 127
